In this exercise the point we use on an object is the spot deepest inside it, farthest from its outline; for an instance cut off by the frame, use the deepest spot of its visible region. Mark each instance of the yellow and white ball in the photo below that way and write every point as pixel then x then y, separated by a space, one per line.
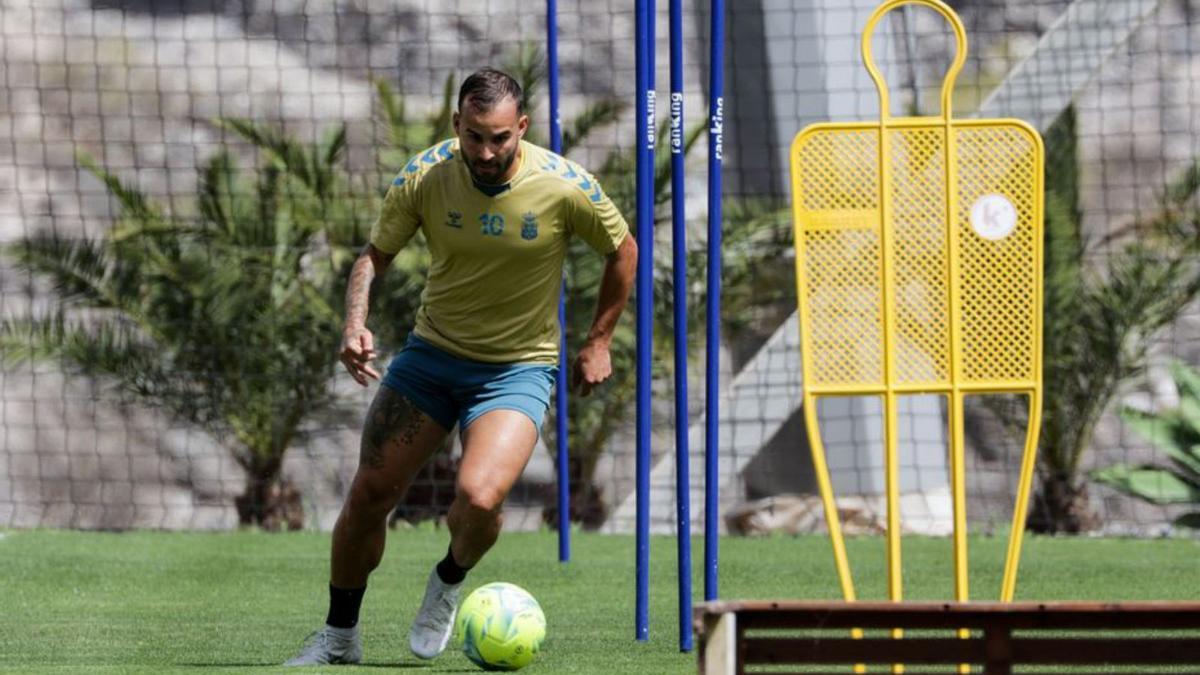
pixel 501 627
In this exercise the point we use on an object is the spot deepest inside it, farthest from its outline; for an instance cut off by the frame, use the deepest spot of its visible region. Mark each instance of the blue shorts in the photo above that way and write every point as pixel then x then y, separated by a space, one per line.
pixel 450 389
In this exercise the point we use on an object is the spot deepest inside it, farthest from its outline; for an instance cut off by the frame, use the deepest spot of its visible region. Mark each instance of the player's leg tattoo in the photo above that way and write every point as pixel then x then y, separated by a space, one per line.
pixel 391 415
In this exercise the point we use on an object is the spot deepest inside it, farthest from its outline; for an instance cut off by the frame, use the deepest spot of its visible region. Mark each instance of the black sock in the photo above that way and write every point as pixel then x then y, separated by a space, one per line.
pixel 343 606
pixel 449 571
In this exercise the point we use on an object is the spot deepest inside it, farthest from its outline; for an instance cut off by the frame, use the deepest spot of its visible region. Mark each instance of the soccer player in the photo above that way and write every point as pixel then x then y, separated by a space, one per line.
pixel 497 213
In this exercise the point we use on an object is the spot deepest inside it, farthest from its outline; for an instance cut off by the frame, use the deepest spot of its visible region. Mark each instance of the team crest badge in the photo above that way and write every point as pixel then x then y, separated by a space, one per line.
pixel 529 226
pixel 454 219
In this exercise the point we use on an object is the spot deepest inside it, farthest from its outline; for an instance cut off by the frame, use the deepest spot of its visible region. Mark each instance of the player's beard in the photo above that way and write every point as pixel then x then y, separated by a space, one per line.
pixel 494 171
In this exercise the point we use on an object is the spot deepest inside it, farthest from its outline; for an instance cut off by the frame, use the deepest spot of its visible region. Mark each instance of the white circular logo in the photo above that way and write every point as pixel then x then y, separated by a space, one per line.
pixel 993 217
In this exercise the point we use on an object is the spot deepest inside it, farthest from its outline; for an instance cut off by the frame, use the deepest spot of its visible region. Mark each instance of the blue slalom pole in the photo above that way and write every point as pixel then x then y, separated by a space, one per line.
pixel 683 524
pixel 645 289
pixel 716 127
pixel 560 386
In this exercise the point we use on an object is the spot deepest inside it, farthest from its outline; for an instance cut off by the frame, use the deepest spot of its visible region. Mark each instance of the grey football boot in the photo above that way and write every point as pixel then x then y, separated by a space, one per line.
pixel 329 646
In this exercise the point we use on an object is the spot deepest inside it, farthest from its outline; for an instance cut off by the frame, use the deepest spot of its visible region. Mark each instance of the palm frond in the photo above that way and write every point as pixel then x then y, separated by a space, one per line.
pixel 79 269
pixel 441 124
pixel 134 203
pixel 1064 263
pixel 1184 188
pixel 215 200
pixel 98 347
pixel 599 114
pixel 528 68
pixel 394 114
pixel 334 145
pixel 280 146
pixel 259 216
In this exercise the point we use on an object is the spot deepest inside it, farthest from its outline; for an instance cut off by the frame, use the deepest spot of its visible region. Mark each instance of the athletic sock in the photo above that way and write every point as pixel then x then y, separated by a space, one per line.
pixel 343 606
pixel 449 571
pixel 341 633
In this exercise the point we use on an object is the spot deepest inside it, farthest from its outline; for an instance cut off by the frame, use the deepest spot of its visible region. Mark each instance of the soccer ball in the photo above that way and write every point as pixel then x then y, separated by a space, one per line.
pixel 501 627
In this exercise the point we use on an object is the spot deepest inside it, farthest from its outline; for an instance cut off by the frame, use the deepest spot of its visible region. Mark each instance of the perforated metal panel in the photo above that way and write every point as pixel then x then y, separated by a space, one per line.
pixel 842 271
pixel 840 221
pixel 1000 280
pixel 918 196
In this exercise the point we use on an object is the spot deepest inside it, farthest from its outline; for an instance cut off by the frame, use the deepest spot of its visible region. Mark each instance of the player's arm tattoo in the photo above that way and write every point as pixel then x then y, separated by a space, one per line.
pixel 392 417
pixel 370 265
pixel 358 291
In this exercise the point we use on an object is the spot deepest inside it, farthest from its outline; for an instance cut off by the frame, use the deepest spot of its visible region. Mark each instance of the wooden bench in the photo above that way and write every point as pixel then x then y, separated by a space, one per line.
pixel 796 635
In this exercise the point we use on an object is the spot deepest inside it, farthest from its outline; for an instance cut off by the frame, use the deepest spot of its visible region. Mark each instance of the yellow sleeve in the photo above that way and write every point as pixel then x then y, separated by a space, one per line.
pixel 596 219
pixel 399 217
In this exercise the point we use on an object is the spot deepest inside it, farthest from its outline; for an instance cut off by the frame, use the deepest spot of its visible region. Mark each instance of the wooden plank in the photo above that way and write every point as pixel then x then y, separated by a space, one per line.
pixel 1116 670
pixel 1062 616
pixel 1084 621
pixel 866 650
pixel 997 643
pixel 718 644
pixel 1046 651
pixel 1142 651
pixel 974 607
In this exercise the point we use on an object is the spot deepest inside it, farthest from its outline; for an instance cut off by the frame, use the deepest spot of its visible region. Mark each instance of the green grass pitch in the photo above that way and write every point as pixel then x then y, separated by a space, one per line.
pixel 155 602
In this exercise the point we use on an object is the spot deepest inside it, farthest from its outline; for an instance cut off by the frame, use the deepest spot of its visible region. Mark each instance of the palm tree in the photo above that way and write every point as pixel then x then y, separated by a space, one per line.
pixel 226 316
pixel 223 317
pixel 1099 319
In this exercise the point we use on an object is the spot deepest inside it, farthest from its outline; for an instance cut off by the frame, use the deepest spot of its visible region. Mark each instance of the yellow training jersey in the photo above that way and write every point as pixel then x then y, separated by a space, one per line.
pixel 493 286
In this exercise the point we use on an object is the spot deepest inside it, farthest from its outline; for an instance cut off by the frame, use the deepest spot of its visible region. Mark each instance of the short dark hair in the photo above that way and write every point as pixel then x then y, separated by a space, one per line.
pixel 487 87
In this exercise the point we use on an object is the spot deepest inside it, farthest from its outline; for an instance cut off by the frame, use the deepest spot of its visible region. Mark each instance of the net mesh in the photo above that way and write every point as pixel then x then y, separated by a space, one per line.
pixel 140 87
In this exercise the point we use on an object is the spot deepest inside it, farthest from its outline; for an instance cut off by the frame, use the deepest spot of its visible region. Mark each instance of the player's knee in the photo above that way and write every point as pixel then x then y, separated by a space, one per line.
pixel 374 494
pixel 480 498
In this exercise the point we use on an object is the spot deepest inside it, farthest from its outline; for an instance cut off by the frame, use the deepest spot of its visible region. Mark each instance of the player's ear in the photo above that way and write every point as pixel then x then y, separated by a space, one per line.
pixel 522 126
pixel 454 119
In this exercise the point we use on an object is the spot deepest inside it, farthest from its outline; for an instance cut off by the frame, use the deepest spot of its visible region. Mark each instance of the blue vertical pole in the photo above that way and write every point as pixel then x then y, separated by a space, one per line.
pixel 683 523
pixel 716 121
pixel 560 386
pixel 645 289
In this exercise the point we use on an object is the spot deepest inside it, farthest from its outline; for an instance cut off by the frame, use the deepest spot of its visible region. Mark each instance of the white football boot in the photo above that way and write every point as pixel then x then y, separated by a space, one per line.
pixel 434 622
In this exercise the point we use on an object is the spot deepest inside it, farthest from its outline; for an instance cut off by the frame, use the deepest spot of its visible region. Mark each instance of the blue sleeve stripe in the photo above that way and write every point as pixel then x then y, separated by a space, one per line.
pixel 575 175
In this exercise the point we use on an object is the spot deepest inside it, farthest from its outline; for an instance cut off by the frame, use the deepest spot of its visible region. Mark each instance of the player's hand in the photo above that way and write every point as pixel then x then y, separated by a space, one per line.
pixel 592 366
pixel 358 349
